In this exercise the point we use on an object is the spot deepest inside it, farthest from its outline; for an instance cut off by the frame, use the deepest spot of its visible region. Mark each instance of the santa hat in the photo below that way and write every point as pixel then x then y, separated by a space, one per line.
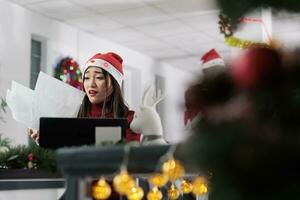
pixel 211 59
pixel 110 62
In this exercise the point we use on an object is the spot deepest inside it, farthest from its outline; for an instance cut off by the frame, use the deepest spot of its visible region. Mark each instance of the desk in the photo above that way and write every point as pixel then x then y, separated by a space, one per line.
pixel 30 184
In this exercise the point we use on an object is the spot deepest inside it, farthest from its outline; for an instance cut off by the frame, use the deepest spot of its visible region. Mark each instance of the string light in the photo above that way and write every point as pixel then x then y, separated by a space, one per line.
pixel 186 187
pixel 200 186
pixel 135 193
pixel 154 194
pixel 123 182
pixel 173 192
pixel 78 72
pixel 101 190
pixel 158 179
pixel 173 169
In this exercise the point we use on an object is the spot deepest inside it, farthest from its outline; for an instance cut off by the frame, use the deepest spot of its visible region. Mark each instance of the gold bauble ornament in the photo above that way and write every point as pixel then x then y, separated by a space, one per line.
pixel 186 187
pixel 154 194
pixel 158 180
pixel 200 186
pixel 101 190
pixel 173 192
pixel 123 182
pixel 173 169
pixel 135 193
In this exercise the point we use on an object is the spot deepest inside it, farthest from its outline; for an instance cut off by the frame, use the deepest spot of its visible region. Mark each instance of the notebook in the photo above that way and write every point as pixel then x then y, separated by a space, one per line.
pixel 66 132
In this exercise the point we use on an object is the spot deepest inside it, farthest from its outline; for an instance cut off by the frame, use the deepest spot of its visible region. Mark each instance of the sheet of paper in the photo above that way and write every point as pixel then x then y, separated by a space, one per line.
pixel 56 90
pixel 20 100
pixel 51 98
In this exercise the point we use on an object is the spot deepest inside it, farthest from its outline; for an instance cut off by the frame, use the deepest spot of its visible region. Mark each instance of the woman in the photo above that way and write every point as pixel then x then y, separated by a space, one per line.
pixel 102 79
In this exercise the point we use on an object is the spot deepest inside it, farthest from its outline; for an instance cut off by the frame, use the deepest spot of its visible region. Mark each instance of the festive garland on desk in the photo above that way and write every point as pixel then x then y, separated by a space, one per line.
pixel 25 157
pixel 21 156
pixel 31 156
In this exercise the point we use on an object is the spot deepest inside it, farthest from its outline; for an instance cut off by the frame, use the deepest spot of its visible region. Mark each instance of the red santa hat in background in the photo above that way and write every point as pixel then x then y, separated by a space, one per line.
pixel 211 63
pixel 211 59
pixel 110 62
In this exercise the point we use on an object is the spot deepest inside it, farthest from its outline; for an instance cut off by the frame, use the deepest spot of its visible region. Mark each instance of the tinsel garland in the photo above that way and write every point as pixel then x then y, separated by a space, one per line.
pixel 244 44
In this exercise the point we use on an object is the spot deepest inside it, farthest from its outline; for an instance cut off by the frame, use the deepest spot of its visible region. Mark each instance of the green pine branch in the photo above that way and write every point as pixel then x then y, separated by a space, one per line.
pixel 16 157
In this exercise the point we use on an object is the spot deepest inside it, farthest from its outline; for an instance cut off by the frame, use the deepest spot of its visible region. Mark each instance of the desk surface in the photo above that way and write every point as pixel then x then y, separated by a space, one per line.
pixel 97 161
pixel 19 179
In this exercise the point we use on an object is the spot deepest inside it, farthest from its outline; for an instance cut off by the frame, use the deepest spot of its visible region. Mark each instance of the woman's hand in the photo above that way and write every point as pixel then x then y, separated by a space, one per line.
pixel 34 134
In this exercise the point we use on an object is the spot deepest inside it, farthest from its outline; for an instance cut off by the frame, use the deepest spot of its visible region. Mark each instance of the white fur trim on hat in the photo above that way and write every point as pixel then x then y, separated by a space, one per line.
pixel 214 62
pixel 105 66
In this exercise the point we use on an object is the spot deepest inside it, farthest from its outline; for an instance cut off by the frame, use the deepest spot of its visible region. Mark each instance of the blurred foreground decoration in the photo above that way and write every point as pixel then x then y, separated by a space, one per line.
pixel 248 137
pixel 227 28
pixel 237 9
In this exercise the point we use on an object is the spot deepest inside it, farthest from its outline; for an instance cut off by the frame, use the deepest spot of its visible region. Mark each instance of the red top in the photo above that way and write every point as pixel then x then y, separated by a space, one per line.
pixel 96 111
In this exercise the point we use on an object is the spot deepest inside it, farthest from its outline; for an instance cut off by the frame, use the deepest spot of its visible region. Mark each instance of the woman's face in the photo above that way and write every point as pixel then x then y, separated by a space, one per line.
pixel 94 85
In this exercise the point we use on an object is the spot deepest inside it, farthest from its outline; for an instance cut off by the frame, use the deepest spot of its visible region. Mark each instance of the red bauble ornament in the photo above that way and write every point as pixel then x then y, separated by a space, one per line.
pixel 255 66
pixel 30 157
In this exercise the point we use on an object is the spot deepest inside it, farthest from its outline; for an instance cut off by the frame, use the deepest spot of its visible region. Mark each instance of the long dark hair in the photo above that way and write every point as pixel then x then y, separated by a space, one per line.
pixel 114 104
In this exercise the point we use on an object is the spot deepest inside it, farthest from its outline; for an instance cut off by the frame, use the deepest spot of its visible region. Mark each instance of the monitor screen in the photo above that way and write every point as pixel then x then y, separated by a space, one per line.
pixel 62 132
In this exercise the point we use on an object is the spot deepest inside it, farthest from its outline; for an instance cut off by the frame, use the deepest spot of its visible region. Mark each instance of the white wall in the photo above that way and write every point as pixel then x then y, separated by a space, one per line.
pixel 16 28
pixel 176 83
pixel 14 59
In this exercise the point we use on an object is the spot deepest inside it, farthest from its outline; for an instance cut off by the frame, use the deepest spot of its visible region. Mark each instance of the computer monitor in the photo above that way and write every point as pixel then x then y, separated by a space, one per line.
pixel 63 132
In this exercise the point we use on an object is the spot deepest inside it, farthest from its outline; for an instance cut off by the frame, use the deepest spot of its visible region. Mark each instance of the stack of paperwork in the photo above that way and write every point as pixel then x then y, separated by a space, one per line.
pixel 50 98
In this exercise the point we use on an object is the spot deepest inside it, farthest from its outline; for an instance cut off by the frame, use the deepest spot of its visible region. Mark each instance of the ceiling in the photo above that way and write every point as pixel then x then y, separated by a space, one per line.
pixel 174 31
pixel 177 32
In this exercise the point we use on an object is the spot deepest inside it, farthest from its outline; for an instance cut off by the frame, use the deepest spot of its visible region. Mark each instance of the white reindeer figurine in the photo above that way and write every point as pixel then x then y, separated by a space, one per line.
pixel 147 121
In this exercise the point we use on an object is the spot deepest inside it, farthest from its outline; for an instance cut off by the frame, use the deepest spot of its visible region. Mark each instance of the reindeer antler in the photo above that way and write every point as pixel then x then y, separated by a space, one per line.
pixel 150 97
pixel 146 95
pixel 158 97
